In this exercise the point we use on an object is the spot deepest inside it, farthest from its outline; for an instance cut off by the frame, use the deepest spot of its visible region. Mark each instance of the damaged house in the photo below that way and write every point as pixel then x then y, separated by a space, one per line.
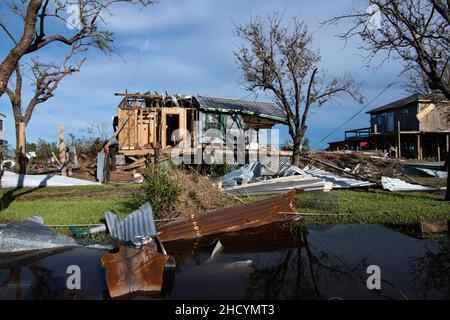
pixel 152 123
pixel 414 126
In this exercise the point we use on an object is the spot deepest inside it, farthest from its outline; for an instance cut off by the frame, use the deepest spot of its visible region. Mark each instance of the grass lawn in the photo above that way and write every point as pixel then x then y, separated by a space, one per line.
pixel 87 204
pixel 65 205
pixel 376 206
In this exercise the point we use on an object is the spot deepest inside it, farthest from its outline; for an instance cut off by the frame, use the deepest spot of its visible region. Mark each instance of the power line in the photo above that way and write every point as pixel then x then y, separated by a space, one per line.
pixel 357 113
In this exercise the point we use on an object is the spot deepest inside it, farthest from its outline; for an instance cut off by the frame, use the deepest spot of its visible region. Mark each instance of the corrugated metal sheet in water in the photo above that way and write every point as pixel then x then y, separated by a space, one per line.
pixel 233 218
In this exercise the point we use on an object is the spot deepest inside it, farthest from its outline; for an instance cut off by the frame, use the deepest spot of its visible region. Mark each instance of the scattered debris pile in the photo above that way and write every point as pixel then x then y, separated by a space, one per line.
pixel 257 179
pixel 339 182
pixel 363 165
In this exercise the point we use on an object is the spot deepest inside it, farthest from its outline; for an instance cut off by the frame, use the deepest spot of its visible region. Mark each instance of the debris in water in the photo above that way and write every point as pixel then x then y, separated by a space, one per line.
pixel 247 215
pixel 31 234
pixel 134 269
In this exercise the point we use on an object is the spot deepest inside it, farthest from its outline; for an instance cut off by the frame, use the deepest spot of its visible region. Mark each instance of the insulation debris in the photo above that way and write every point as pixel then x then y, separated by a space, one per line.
pixel 14 180
pixel 393 184
pixel 233 218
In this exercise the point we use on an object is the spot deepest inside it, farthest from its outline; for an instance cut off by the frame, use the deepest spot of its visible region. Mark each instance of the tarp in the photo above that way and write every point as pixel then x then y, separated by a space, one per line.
pixel 14 180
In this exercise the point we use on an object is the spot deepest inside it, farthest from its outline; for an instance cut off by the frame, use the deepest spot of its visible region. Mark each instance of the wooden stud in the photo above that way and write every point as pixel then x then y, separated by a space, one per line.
pixel 62 151
pixel 419 148
pixel 399 143
pixel 447 138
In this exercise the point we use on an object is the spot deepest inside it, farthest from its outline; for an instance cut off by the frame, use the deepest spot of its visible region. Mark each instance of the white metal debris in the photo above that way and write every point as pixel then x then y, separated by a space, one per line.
pixel 393 184
pixel 14 180
pixel 252 172
pixel 281 185
pixel 434 173
pixel 338 181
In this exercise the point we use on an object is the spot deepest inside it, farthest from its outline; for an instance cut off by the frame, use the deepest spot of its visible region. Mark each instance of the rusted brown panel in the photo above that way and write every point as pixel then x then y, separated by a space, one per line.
pixel 266 238
pixel 132 270
pixel 234 218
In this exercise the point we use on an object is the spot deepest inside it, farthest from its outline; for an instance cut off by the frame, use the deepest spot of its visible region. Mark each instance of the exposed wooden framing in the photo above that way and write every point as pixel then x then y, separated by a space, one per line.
pixel 147 127
pixel 141 129
pixel 399 143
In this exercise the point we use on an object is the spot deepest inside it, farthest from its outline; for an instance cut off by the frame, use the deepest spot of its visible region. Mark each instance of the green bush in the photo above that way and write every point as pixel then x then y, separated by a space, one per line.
pixel 44 150
pixel 219 170
pixel 158 189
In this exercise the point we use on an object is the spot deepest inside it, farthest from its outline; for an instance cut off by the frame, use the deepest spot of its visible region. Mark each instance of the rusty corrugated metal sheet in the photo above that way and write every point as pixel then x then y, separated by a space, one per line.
pixel 247 215
pixel 132 270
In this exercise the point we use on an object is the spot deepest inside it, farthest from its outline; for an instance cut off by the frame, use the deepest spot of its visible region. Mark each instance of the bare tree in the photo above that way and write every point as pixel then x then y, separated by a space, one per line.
pixel 281 59
pixel 36 15
pixel 415 32
pixel 45 79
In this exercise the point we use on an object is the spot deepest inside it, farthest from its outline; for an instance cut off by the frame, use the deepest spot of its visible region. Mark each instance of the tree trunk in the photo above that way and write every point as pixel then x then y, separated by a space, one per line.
pixel 9 64
pixel 21 157
pixel 297 140
pixel 447 194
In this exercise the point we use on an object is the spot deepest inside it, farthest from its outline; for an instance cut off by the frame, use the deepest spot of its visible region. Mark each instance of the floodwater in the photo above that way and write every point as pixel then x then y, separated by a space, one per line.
pixel 271 262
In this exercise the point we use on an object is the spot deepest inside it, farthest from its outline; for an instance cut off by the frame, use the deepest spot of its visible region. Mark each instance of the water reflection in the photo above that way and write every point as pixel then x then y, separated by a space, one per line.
pixel 271 262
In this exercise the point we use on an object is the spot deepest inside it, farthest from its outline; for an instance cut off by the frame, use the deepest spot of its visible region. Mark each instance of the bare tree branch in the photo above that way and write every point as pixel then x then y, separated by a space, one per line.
pixel 415 32
pixel 281 59
pixel 38 14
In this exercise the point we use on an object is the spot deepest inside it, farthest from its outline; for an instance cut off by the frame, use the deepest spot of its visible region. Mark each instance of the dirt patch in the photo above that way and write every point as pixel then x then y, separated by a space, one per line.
pixel 198 195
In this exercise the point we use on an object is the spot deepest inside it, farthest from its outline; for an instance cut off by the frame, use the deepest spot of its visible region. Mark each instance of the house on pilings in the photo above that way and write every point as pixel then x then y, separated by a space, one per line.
pixel 149 124
pixel 415 126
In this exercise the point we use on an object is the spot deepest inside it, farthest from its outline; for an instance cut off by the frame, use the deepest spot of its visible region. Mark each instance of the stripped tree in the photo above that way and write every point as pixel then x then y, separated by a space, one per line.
pixel 414 32
pixel 45 79
pixel 84 27
pixel 85 23
pixel 281 59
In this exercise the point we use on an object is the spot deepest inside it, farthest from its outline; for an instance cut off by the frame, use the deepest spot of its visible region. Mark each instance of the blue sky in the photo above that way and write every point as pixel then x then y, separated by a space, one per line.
pixel 186 46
